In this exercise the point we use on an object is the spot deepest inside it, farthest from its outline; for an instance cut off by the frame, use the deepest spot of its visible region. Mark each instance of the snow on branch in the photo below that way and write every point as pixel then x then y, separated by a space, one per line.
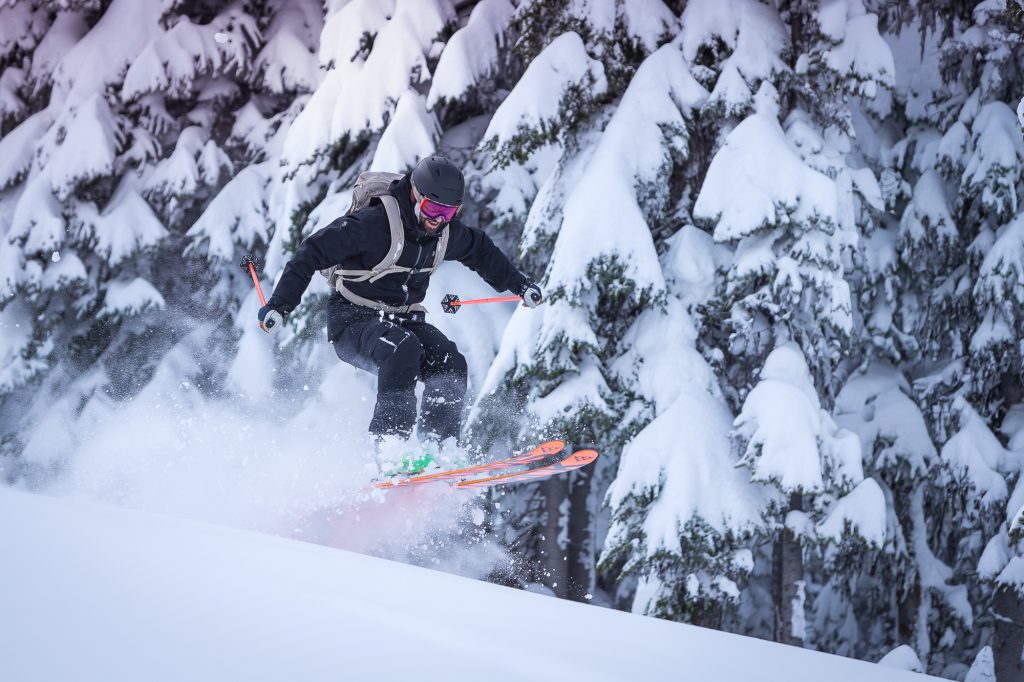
pixel 861 512
pixel 38 218
pixel 533 112
pixel 346 32
pixel 861 54
pixel 472 52
pixel 67 29
pixel 750 29
pixel 756 181
pixel 125 226
pixel 22 25
pixel 196 160
pixel 637 150
pixel 101 57
pixel 976 458
pixel 288 62
pixel 84 144
pixel 784 435
pixel 12 80
pixel 876 405
pixel 997 161
pixel 237 216
pixel 173 61
pixel 128 298
pixel 411 135
pixel 17 148
pixel 927 222
pixel 357 97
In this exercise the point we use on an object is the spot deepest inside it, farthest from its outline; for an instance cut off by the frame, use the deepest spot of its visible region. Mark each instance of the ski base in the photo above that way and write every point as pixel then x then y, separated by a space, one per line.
pixel 541 452
pixel 458 477
pixel 580 458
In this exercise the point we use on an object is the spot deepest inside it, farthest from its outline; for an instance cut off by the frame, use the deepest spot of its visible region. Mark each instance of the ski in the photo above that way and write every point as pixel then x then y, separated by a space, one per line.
pixel 580 458
pixel 542 451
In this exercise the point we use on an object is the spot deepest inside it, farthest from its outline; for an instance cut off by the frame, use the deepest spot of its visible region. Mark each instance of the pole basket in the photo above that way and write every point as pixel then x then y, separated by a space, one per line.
pixel 249 265
pixel 450 304
pixel 248 260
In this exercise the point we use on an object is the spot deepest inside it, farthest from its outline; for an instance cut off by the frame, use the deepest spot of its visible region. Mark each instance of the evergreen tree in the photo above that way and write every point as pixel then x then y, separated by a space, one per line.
pixel 952 293
pixel 122 139
pixel 602 272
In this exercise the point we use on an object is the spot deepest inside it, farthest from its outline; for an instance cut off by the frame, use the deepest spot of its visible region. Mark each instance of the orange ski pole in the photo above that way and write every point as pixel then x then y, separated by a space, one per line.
pixel 248 264
pixel 451 302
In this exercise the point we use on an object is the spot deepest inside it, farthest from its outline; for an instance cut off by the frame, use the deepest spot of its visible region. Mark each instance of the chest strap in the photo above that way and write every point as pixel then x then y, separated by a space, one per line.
pixel 377 305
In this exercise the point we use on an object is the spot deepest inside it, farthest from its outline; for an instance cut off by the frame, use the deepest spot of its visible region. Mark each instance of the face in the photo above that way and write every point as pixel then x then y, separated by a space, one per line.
pixel 433 217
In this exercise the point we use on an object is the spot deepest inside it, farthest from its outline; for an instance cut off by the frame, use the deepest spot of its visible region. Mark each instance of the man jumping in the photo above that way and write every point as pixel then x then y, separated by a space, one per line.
pixel 380 259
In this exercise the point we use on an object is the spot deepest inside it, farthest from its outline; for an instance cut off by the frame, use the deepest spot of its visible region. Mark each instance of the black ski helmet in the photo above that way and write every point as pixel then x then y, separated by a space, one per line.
pixel 440 180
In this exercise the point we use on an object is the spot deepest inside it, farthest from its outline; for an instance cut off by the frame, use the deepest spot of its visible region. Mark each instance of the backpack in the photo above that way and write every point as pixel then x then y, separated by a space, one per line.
pixel 372 185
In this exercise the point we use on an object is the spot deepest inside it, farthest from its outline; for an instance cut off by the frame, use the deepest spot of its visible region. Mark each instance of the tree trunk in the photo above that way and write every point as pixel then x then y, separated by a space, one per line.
pixel 1008 639
pixel 788 585
pixel 552 560
pixel 907 597
pixel 580 550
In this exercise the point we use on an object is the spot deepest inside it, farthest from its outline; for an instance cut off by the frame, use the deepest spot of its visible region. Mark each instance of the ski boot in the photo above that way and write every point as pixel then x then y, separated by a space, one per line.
pixel 400 457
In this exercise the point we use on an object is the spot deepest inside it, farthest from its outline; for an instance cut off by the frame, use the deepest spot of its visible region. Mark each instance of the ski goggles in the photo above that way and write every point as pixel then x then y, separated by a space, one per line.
pixel 432 210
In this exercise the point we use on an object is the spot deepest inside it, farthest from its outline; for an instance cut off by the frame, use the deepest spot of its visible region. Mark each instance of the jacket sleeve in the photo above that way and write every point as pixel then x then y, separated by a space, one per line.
pixel 474 249
pixel 326 247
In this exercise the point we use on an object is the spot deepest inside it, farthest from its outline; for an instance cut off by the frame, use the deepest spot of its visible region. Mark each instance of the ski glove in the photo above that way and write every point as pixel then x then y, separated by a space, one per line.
pixel 270 319
pixel 532 297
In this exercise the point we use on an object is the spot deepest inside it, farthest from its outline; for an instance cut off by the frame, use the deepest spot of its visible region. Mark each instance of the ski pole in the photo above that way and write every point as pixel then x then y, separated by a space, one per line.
pixel 451 302
pixel 248 264
pixel 273 317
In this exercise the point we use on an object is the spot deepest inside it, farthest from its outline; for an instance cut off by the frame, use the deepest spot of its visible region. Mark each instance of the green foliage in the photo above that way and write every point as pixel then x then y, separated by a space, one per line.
pixel 300 218
pixel 693 576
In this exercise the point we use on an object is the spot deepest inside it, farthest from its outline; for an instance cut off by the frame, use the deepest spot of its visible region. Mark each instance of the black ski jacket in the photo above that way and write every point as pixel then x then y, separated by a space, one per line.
pixel 360 241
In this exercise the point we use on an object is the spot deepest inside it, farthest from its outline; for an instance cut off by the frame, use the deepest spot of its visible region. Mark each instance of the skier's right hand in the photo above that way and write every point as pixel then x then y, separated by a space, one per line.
pixel 270 319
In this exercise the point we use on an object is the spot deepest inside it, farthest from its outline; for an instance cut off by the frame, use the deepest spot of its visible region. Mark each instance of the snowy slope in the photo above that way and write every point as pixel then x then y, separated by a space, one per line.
pixel 92 592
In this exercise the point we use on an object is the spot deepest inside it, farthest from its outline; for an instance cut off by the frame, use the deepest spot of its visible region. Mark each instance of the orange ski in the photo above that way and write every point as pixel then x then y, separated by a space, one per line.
pixel 580 458
pixel 542 451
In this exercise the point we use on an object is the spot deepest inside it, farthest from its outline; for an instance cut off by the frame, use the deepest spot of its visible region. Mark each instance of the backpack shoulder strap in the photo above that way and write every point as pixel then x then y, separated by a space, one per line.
pixel 397 234
pixel 442 247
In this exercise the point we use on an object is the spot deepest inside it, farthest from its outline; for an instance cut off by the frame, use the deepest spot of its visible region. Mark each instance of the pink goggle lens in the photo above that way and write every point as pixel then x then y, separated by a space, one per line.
pixel 432 210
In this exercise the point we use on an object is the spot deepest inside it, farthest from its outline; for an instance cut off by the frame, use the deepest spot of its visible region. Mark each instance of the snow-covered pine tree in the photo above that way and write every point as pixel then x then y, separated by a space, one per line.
pixel 603 268
pixel 793 198
pixel 1007 636
pixel 121 140
pixel 903 591
pixel 942 297
pixel 682 515
pixel 906 590
pixel 678 552
pixel 960 297
pixel 789 442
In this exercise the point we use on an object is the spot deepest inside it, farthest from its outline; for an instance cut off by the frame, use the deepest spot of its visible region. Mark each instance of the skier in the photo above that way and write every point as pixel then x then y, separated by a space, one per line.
pixel 381 258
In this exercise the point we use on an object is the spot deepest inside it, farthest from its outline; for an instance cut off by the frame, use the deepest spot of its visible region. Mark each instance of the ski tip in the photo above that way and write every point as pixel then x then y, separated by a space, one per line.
pixel 551 447
pixel 582 458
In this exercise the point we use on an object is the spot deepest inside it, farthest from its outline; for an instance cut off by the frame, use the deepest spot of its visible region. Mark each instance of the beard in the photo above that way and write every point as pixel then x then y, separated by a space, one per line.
pixel 432 229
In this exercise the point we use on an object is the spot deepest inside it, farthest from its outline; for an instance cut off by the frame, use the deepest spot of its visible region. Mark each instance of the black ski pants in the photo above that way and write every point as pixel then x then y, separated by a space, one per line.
pixel 402 349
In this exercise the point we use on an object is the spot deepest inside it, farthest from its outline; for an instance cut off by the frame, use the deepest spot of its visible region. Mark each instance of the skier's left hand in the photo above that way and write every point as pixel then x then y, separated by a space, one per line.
pixel 532 296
